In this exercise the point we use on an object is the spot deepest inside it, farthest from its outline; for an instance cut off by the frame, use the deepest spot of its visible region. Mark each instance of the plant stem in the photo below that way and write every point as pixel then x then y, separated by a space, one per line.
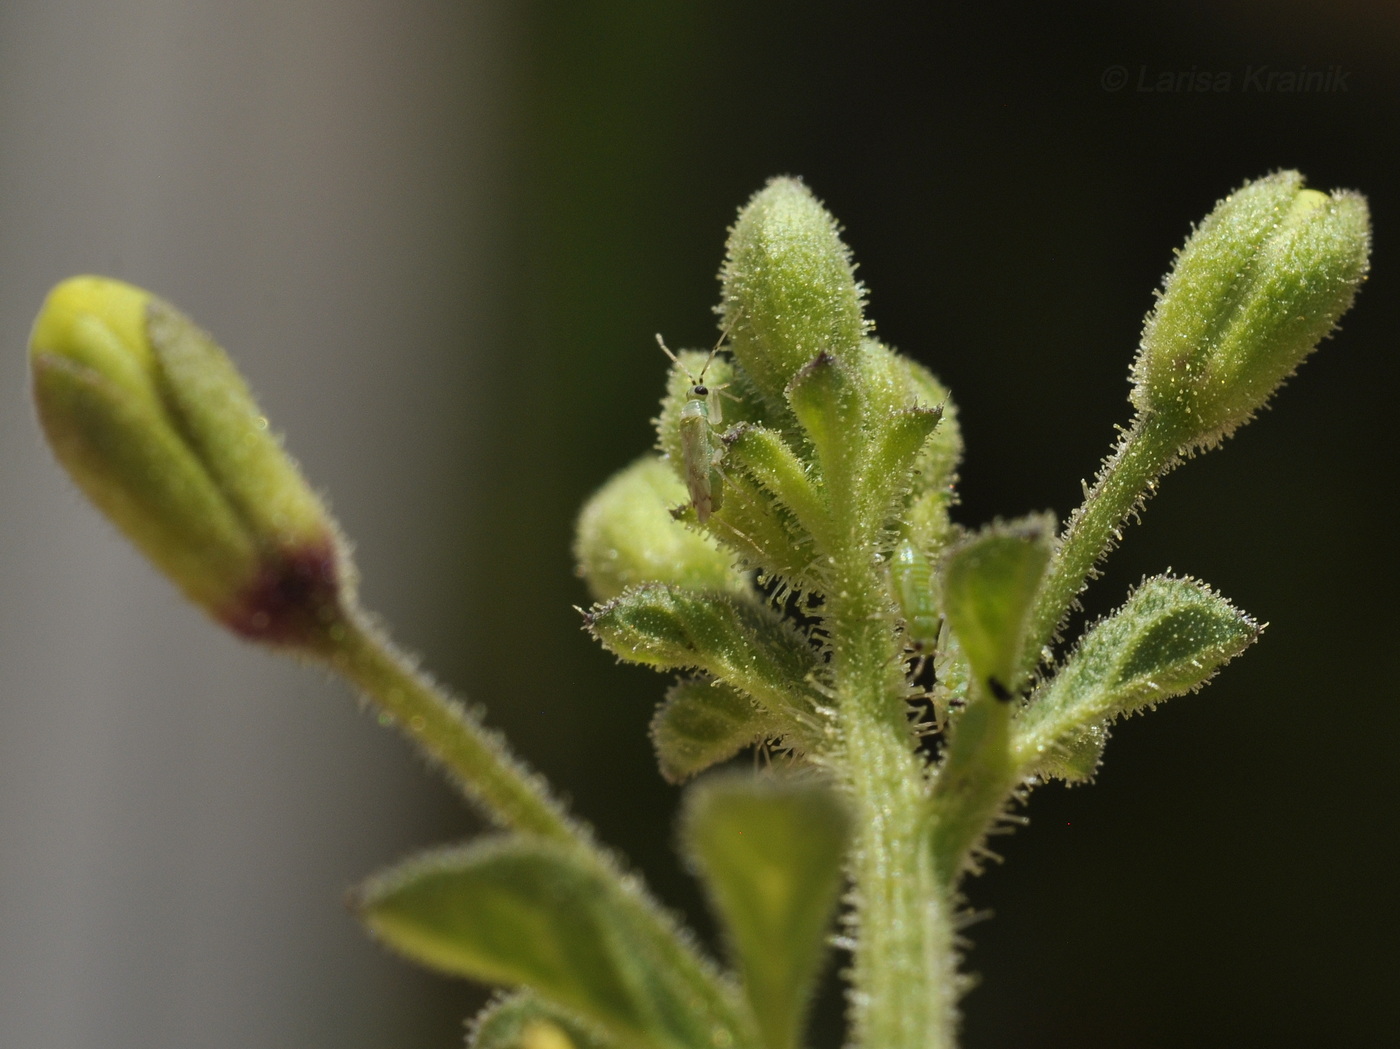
pixel 904 989
pixel 451 734
pixel 1127 478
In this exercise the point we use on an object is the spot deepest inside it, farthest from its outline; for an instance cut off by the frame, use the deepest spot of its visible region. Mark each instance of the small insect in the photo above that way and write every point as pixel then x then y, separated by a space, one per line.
pixel 911 574
pixel 700 451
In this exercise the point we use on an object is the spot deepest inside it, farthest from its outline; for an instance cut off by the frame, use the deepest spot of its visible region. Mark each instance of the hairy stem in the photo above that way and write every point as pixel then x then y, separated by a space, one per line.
pixel 904 989
pixel 1127 478
pixel 449 733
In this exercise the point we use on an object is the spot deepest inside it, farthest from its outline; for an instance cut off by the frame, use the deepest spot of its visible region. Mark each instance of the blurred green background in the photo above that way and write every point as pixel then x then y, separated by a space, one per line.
pixel 1013 195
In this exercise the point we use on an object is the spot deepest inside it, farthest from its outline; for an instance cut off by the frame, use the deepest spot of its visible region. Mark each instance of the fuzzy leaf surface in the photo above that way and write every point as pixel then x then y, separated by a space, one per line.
pixel 527 913
pixel 701 723
pixel 735 640
pixel 990 582
pixel 1170 637
pixel 770 852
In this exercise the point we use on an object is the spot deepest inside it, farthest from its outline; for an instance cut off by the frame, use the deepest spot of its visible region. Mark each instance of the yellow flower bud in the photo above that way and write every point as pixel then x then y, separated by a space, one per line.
pixel 157 427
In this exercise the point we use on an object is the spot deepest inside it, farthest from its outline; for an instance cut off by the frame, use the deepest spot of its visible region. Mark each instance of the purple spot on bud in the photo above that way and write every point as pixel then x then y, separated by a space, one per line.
pixel 295 600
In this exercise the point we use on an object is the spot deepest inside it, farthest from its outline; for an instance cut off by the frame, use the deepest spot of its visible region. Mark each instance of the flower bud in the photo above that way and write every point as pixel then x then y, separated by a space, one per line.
pixel 627 536
pixel 789 287
pixel 1262 280
pixel 156 426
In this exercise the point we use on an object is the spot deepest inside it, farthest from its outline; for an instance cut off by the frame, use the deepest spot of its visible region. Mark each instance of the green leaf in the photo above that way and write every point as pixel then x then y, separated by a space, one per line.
pixel 906 432
pixel 937 466
pixel 826 398
pixel 523 1021
pixel 738 641
pixel 766 457
pixel 529 913
pixel 1076 758
pixel 990 582
pixel 770 852
pixel 761 532
pixel 1170 637
pixel 973 783
pixel 703 722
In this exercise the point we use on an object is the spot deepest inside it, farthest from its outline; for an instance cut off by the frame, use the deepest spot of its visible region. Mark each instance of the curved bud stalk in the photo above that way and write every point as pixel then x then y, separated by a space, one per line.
pixel 157 427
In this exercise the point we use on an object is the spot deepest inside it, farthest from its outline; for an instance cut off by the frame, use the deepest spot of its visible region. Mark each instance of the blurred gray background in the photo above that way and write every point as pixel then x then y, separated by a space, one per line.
pixel 438 237
pixel 180 814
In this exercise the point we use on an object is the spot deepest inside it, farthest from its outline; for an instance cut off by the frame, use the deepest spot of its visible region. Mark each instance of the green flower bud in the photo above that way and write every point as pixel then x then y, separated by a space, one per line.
pixel 156 426
pixel 626 536
pixel 1258 285
pixel 789 287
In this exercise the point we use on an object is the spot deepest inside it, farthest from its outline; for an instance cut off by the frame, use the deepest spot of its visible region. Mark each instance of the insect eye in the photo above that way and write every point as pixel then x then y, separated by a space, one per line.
pixel 700 391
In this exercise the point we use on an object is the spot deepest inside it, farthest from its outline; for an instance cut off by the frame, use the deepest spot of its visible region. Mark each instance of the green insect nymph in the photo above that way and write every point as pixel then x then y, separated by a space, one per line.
pixel 911 576
pixel 700 452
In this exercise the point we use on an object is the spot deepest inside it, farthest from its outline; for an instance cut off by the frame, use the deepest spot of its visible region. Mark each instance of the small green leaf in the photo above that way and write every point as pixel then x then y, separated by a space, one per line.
pixel 906 432
pixel 626 536
pixel 789 288
pixel 770 852
pixel 739 641
pixel 825 396
pixel 530 913
pixel 990 582
pixel 1076 758
pixel 703 722
pixel 761 533
pixel 901 438
pixel 769 461
pixel 937 466
pixel 1170 637
pixel 523 1021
